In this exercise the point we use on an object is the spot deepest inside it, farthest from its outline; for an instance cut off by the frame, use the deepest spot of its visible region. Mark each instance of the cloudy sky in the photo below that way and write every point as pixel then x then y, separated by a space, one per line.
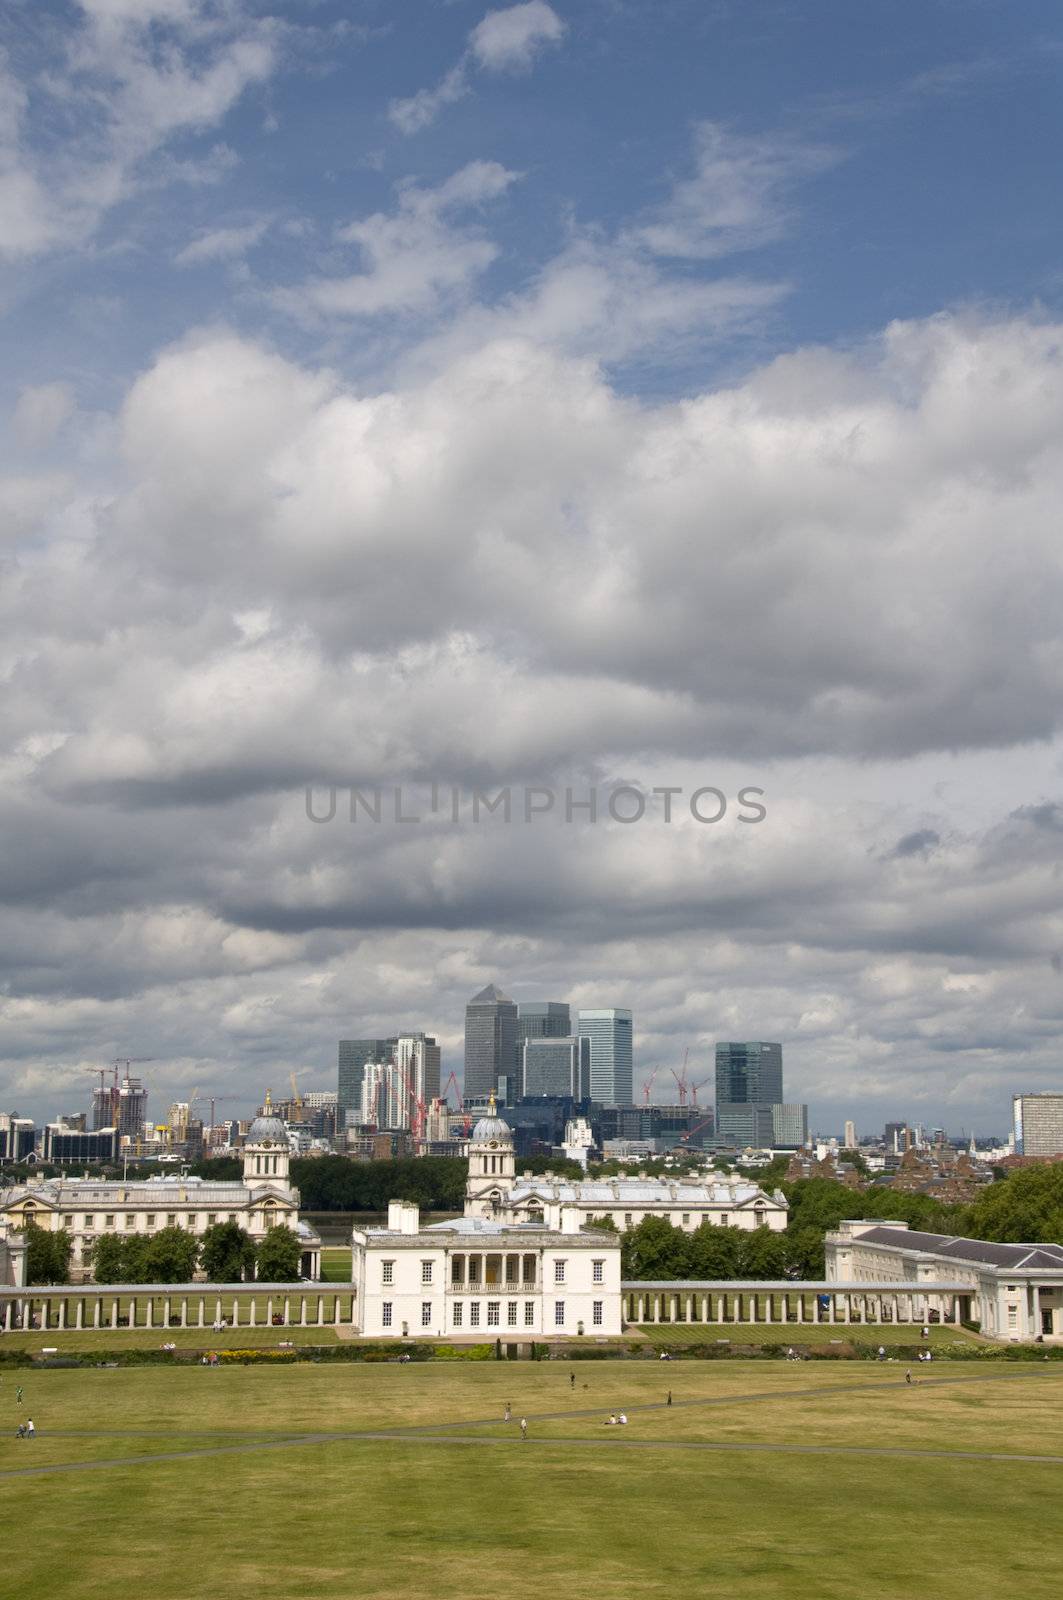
pixel 400 392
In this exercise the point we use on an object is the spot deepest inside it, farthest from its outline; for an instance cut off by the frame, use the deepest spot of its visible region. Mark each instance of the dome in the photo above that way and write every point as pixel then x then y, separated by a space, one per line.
pixel 263 1128
pixel 489 1128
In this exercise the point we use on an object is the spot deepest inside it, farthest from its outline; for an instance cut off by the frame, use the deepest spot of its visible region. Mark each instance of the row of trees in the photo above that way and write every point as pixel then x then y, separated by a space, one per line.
pixel 333 1183
pixel 226 1253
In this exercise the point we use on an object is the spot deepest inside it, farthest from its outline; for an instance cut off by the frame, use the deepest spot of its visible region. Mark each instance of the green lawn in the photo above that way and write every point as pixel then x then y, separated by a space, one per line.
pixel 336 1264
pixel 888 1335
pixel 466 1508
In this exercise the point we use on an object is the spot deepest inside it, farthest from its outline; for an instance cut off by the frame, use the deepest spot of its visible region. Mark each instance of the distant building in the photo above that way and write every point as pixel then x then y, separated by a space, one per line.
pixel 789 1127
pixel 1037 1120
pixel 494 1191
pixel 609 1030
pixel 491 1045
pixel 18 1137
pixel 61 1143
pixel 1013 1291
pixel 744 1126
pixel 132 1107
pixel 89 1207
pixel 850 1135
pixel 749 1074
pixel 353 1055
pixel 556 1066
pixel 543 1019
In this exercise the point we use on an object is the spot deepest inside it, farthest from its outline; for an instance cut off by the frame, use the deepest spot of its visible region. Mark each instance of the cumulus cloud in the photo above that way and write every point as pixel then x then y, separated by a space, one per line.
pixel 40 412
pixel 222 244
pixel 503 41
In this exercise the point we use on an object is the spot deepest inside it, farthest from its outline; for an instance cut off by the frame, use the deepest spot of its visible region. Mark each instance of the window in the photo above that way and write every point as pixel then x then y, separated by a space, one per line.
pixel 686 1219
pixel 599 1272
pixel 192 1221
pixel 426 1272
pixel 426 1313
pixel 474 1314
pixel 723 1220
pixel 88 1222
pixel 385 1313
pixel 457 1270
pixel 108 1222
pixel 212 1217
pixel 130 1220
pixel 529 1313
pixel 627 1219
pixel 151 1219
pixel 494 1307
pixel 387 1272
pixel 232 1216
pixel 559 1313
pixel 458 1310
pixel 511 1314
pixel 474 1269
pixel 559 1272
pixel 597 1310
pixel 171 1220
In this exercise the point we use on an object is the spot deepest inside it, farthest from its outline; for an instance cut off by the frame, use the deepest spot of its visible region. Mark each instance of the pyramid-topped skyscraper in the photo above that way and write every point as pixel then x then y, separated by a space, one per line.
pixel 491 1045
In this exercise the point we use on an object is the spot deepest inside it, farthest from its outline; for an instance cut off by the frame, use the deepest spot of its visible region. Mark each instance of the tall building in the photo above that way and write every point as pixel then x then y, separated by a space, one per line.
pixel 491 1045
pixel 556 1067
pixel 372 1098
pixel 132 1106
pixel 747 1125
pixel 413 1078
pixel 1037 1121
pixel 850 1135
pixel 354 1053
pixel 749 1074
pixel 610 1033
pixel 543 1019
pixel 789 1127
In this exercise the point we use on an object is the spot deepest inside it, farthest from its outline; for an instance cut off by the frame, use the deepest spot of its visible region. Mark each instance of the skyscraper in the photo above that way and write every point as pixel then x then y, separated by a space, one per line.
pixel 490 1045
pixel 749 1074
pixel 560 1067
pixel 610 1033
pixel 354 1053
pixel 1037 1120
pixel 543 1019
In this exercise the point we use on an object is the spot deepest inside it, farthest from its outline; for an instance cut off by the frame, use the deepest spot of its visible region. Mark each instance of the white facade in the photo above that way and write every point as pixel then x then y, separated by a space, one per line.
pixel 1013 1291
pixel 480 1279
pixel 89 1207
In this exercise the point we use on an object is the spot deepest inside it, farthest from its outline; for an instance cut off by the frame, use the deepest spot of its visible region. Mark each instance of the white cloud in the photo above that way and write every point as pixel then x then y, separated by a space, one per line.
pixel 738 197
pixel 222 244
pixel 414 256
pixel 40 412
pixel 509 40
pixel 504 41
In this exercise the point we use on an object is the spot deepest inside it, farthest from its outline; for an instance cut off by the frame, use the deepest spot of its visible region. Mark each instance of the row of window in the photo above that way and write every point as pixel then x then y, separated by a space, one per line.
pixel 388 1270
pixel 173 1220
pixel 494 1313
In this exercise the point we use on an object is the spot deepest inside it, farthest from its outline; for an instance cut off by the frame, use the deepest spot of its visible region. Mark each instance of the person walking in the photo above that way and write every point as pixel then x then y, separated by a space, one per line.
pixel 669 1400
pixel 524 1428
pixel 18 1395
pixel 507 1415
pixel 572 1380
pixel 30 1429
pixel 908 1376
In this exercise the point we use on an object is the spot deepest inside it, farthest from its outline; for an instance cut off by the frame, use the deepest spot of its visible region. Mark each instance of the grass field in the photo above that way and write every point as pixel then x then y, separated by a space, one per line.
pixel 888 1335
pixel 194 1482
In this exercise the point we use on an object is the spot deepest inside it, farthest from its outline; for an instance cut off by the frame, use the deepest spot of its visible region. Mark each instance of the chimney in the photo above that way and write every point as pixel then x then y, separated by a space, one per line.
pixel 570 1219
pixel 403 1217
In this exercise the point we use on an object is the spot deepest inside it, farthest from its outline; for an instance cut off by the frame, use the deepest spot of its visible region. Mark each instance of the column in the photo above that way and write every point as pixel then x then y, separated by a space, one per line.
pixel 767 1306
pixel 62 1313
pixel 149 1320
pixel 236 1312
pixel 321 1310
pixel 800 1308
pixel 97 1310
pixel 167 1310
pixel 251 1311
pixel 269 1311
pixel 287 1310
pixel 847 1308
pixel 751 1308
pixel 79 1314
pixel 830 1311
pixel 338 1305
pixel 9 1315
pixel 217 1309
pixel 302 1311
pixel 114 1313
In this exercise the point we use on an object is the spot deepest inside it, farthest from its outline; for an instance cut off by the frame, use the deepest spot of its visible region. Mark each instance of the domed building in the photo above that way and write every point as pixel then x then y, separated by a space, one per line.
pixel 492 1166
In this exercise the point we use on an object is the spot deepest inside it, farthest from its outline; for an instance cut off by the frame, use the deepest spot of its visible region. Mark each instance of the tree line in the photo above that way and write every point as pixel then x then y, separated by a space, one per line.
pixel 226 1253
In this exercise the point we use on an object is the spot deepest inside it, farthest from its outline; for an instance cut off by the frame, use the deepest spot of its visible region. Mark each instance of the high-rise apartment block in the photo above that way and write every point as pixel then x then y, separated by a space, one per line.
pixel 543 1019
pixel 610 1033
pixel 1037 1120
pixel 354 1053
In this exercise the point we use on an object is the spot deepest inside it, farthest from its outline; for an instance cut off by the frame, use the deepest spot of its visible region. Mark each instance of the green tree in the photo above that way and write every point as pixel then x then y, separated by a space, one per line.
pixel 47 1255
pixel 655 1249
pixel 604 1224
pixel 108 1259
pixel 762 1254
pixel 1026 1208
pixel 227 1253
pixel 714 1251
pixel 277 1256
pixel 171 1256
pixel 804 1253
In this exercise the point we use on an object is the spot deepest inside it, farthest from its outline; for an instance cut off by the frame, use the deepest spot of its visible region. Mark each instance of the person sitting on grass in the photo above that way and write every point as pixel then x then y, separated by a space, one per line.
pixel 611 1422
pixel 622 1420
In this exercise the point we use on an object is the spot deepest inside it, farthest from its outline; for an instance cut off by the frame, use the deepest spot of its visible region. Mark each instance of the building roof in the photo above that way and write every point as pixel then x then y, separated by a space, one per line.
pixel 489 1128
pixel 263 1128
pixel 489 1228
pixel 983 1252
pixel 490 996
pixel 147 1191
pixel 611 1192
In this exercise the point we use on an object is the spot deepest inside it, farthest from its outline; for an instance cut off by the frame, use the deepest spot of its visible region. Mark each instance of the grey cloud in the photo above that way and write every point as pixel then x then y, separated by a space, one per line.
pixel 921 842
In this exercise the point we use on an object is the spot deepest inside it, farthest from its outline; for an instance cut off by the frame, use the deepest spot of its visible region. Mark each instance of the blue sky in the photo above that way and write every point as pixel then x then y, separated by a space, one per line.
pixel 539 393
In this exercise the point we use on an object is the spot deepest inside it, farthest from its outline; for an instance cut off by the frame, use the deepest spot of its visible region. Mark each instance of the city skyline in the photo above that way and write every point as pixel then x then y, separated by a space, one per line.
pixel 572 399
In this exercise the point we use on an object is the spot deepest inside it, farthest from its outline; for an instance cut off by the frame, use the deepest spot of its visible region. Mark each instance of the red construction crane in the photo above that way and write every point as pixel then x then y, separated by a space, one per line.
pixel 461 1103
pixel 684 1138
pixel 694 1087
pixel 681 1078
pixel 648 1085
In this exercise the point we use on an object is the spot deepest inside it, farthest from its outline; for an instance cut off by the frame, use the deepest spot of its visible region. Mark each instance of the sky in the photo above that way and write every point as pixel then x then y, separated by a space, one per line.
pixel 554 397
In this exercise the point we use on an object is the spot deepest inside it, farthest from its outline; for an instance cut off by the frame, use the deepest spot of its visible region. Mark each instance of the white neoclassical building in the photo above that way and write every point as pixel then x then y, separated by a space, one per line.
pixel 89 1207
pixel 1013 1291
pixel 476 1278
pixel 494 1190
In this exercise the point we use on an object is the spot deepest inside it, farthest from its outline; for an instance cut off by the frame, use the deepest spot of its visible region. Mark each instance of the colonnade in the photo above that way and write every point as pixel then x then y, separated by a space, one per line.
pixel 184 1306
pixel 816 1304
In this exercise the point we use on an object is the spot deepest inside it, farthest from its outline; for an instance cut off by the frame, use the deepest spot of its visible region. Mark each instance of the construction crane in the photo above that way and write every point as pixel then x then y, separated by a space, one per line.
pixel 648 1085
pixel 694 1087
pixel 467 1119
pixel 685 1138
pixel 297 1099
pixel 213 1100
